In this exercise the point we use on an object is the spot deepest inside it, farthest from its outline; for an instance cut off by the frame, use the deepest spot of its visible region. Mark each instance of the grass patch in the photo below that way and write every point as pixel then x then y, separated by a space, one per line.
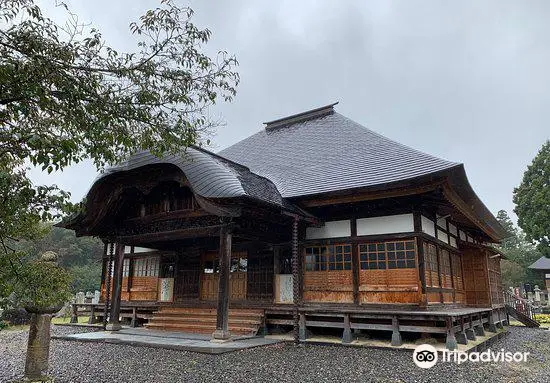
pixel 66 320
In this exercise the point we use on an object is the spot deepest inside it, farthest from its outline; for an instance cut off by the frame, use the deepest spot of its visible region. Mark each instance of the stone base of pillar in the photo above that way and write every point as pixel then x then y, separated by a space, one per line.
pixel 479 330
pixel 346 336
pixel 221 336
pixel 396 338
pixel 450 342
pixel 113 327
pixel 470 334
pixel 461 338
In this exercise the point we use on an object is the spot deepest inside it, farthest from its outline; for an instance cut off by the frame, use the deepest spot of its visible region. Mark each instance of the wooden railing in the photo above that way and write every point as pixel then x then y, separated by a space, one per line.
pixel 521 305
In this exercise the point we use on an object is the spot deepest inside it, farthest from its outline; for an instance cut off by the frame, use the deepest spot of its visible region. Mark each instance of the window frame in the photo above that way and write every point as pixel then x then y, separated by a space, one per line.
pixel 390 254
pixel 329 257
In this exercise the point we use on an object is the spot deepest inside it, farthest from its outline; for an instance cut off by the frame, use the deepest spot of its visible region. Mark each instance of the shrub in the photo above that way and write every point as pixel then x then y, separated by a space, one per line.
pixel 16 317
pixel 3 324
pixel 542 318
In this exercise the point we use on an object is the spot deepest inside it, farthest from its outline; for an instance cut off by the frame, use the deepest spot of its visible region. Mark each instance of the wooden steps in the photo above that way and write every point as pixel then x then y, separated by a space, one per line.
pixel 522 317
pixel 203 320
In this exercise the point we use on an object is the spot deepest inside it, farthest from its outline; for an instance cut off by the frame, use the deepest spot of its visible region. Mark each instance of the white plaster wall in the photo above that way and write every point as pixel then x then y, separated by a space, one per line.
pixel 286 290
pixel 400 223
pixel 442 223
pixel 462 235
pixel 331 229
pixel 427 226
pixel 142 249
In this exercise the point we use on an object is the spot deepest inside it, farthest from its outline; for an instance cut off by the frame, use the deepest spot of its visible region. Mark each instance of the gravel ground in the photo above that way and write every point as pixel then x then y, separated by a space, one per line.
pixel 94 362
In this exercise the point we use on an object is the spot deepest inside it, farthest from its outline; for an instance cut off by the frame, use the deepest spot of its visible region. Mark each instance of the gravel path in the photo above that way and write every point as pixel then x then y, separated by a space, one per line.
pixel 93 362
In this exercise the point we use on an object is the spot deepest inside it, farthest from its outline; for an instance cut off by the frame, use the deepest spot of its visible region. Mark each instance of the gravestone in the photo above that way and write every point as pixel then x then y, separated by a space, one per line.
pixel 537 295
pixel 96 297
pixel 88 297
pixel 80 298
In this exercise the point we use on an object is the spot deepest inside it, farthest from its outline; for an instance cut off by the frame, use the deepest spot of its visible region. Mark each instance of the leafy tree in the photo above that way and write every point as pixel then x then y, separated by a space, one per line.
pixel 532 199
pixel 86 277
pixel 512 241
pixel 71 251
pixel 520 253
pixel 66 95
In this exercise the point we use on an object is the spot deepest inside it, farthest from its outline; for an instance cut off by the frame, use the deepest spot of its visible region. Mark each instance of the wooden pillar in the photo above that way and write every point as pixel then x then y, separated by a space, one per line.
pixel 417 221
pixel 222 312
pixel 451 257
pixel 114 318
pixel 450 342
pixel 470 334
pixel 296 281
pixel 461 335
pixel 355 261
pixel 107 272
pixel 346 335
pixel 439 273
pixel 438 262
pixel 91 319
pixel 396 335
pixel 491 326
pixel 478 328
pixel 276 261
pixel 302 326
pixel 104 265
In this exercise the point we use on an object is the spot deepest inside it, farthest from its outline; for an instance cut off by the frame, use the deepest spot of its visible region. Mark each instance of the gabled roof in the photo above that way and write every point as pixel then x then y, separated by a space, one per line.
pixel 322 151
pixel 542 263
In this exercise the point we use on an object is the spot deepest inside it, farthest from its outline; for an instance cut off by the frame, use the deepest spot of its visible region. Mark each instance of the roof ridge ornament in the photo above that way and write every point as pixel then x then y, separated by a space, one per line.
pixel 301 117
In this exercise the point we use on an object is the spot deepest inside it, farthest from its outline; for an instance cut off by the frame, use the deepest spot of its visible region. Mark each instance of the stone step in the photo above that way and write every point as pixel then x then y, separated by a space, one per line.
pixel 204 319
pixel 205 315
pixel 199 329
pixel 199 311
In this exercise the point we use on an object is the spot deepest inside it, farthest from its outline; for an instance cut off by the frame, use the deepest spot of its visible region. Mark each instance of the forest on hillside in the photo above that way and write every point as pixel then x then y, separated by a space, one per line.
pixel 80 256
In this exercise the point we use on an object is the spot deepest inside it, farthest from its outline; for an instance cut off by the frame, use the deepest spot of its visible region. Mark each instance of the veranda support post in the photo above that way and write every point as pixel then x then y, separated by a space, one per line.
pixel 114 318
pixel 222 313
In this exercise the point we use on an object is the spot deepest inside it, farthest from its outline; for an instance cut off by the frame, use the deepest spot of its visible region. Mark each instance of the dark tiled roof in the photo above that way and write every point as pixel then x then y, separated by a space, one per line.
pixel 209 175
pixel 542 263
pixel 329 153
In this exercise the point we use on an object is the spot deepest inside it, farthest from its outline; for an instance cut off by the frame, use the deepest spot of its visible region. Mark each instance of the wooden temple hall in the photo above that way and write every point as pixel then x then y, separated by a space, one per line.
pixel 315 223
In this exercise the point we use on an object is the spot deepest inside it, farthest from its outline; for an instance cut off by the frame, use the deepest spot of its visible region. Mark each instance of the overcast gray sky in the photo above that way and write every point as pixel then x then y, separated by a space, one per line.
pixel 467 81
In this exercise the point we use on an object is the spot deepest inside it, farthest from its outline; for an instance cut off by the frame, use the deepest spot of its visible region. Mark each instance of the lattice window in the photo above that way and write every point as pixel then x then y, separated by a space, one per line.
pixel 260 275
pixel 329 257
pixel 146 267
pixel 445 262
pixel 388 255
pixel 126 267
pixel 456 261
pixel 431 266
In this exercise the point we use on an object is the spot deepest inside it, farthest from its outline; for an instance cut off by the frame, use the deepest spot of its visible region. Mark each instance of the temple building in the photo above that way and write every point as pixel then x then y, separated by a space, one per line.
pixel 315 222
pixel 543 266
